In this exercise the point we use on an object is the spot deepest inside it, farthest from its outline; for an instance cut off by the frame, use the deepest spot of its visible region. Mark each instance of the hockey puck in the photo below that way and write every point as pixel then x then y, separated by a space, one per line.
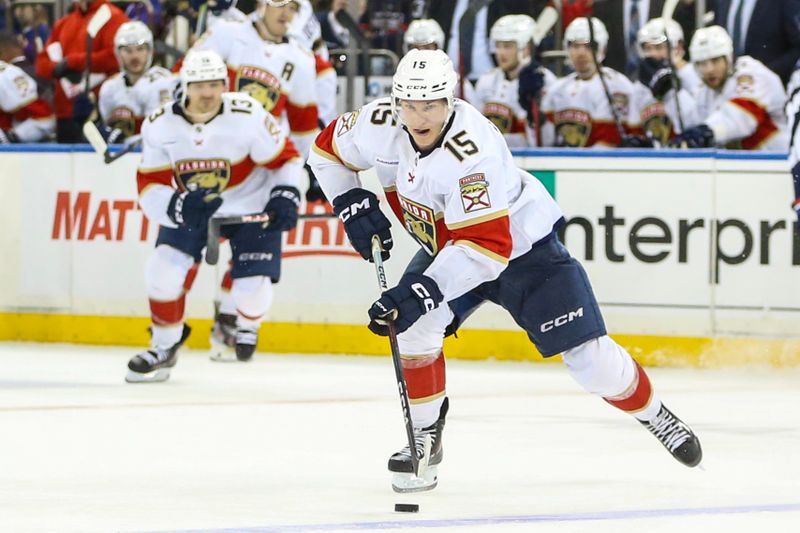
pixel 406 508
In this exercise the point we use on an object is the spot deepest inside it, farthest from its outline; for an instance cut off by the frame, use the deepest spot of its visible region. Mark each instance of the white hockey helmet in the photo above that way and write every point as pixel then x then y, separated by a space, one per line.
pixel 654 33
pixel 424 75
pixel 711 42
pixel 305 28
pixel 132 34
pixel 578 32
pixel 202 65
pixel 280 3
pixel 423 31
pixel 519 29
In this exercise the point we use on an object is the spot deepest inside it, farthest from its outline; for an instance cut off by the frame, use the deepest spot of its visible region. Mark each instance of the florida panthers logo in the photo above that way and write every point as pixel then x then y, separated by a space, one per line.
pixel 656 123
pixel 420 222
pixel 501 116
pixel 259 84
pixel 573 127
pixel 212 175
pixel 124 119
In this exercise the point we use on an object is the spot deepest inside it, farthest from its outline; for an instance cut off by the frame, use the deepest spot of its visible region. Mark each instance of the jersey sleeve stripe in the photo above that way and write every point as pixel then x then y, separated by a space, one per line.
pixel 302 119
pixel 326 147
pixel 287 152
pixel 477 220
pixel 144 180
pixel 491 238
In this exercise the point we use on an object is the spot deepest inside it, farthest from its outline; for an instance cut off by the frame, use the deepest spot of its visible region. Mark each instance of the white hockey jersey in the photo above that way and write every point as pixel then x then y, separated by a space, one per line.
pixel 241 153
pixel 658 119
pixel 21 109
pixel 579 112
pixel 690 80
pixel 497 98
pixel 282 77
pixel 464 201
pixel 232 14
pixel 124 106
pixel 748 113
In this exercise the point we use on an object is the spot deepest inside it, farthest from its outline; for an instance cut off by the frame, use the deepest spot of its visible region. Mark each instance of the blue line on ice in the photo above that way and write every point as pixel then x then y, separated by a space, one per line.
pixel 520 519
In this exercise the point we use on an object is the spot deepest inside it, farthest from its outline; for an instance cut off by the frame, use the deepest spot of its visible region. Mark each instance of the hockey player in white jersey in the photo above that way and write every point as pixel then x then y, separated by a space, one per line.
pixel 577 106
pixel 487 232
pixel 515 110
pixel 793 112
pixel 740 104
pixel 663 95
pixel 138 89
pixel 24 116
pixel 212 153
pixel 269 67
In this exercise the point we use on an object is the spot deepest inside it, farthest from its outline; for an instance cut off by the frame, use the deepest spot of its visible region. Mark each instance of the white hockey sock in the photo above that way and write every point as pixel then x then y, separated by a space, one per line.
pixel 425 414
pixel 166 336
pixel 227 305
pixel 253 298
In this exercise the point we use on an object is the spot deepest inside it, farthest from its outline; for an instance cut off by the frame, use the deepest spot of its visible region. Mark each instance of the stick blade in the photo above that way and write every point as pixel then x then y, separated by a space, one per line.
pixel 546 21
pixel 212 243
pixel 94 137
pixel 669 9
pixel 98 20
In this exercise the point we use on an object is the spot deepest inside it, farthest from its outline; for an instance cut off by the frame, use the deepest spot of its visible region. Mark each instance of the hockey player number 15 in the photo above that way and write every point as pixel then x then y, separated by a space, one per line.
pixel 461 147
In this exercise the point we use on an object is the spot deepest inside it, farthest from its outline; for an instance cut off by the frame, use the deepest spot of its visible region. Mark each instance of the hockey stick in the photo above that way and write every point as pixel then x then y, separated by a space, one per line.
pixel 419 464
pixel 100 146
pixel 202 15
pixel 593 47
pixel 666 16
pixel 547 19
pixel 98 20
pixel 215 227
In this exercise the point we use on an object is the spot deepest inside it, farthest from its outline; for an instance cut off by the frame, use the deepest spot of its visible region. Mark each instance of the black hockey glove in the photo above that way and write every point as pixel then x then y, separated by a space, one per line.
pixel 8 137
pixel 314 192
pixel 698 137
pixel 657 75
pixel 635 141
pixel 414 295
pixel 282 208
pixel 193 209
pixel 531 82
pixel 82 107
pixel 362 218
pixel 61 70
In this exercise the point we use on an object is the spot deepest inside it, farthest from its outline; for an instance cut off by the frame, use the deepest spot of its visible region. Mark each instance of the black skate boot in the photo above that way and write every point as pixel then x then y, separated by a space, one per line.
pixel 400 463
pixel 223 338
pixel 676 437
pixel 154 365
pixel 246 340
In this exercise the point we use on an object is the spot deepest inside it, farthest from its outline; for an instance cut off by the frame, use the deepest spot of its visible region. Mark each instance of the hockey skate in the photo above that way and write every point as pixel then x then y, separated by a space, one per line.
pixel 246 340
pixel 153 365
pixel 400 464
pixel 676 437
pixel 223 338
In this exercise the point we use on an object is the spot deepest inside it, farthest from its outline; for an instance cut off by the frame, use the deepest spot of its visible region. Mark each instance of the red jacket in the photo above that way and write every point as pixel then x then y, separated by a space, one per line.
pixel 70 31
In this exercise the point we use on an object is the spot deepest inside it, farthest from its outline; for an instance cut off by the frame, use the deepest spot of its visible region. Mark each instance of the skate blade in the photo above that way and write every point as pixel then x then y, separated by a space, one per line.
pixel 156 376
pixel 221 352
pixel 404 483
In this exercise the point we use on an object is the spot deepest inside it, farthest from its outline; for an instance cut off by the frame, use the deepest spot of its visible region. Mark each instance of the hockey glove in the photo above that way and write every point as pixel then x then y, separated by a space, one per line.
pixel 362 218
pixel 531 82
pixel 8 137
pixel 698 137
pixel 282 208
pixel 193 209
pixel 414 295
pixel 657 75
pixel 314 192
pixel 635 141
pixel 61 70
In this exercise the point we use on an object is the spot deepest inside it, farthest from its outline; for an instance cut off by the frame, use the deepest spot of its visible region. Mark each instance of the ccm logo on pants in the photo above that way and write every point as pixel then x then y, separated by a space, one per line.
pixel 560 321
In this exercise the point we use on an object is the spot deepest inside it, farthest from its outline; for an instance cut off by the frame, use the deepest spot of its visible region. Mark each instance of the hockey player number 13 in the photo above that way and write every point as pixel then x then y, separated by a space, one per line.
pixel 461 147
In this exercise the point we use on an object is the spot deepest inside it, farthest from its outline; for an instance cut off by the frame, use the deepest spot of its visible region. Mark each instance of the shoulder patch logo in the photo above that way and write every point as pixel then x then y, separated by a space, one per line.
pixel 474 193
pixel 347 122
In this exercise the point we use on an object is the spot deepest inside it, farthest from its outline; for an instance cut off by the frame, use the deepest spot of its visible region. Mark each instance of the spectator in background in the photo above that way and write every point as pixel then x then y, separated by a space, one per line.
pixel 466 25
pixel 64 59
pixel 767 30
pixel 333 33
pixel 30 21
pixel 741 102
pixel 24 115
pixel 148 12
pixel 572 9
pixel 624 18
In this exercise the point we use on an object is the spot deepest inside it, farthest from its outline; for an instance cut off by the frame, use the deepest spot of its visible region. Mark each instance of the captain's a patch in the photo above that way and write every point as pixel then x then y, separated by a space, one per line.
pixel 474 193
